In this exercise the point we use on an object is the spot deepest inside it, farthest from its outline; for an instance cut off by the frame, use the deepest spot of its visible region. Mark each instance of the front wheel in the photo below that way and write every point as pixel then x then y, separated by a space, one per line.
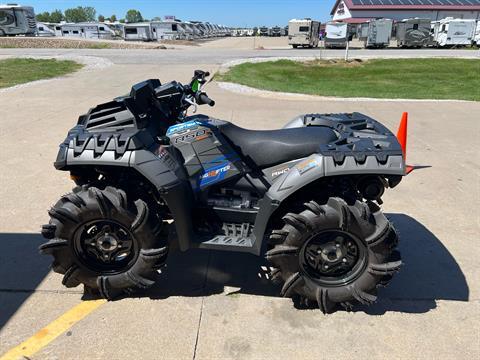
pixel 104 240
pixel 334 254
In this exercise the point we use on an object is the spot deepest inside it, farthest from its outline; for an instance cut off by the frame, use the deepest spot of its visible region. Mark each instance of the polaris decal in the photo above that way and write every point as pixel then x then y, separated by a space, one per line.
pixel 182 127
pixel 215 174
pixel 193 135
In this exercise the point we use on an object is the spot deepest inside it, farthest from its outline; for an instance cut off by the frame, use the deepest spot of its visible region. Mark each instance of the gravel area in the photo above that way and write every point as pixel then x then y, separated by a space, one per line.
pixel 63 43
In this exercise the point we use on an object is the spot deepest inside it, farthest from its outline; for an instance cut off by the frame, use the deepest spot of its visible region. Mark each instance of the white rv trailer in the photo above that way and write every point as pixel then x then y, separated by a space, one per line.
pixel 264 31
pixel 183 33
pixel 304 33
pixel 413 32
pixel 376 33
pixel 45 29
pixel 476 38
pixel 166 30
pixel 453 32
pixel 138 32
pixel 201 28
pixel 336 35
pixel 277 31
pixel 194 29
pixel 87 30
pixel 17 20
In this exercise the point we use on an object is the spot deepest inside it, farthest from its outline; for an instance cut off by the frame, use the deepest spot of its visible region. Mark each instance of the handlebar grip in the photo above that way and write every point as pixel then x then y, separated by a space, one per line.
pixel 204 99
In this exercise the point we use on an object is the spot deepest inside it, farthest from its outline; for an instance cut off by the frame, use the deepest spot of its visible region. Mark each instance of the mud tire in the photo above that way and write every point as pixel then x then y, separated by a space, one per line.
pixel 86 204
pixel 364 221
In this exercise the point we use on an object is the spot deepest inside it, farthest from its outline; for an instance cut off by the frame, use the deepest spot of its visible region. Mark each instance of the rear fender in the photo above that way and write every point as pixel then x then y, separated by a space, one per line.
pixel 311 169
pixel 318 166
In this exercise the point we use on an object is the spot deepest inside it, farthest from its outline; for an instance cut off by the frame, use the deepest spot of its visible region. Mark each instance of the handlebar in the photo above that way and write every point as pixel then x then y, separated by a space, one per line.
pixel 203 99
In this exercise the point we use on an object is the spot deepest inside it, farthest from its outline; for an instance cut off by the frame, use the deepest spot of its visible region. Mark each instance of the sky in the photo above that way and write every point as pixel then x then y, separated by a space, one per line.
pixel 226 12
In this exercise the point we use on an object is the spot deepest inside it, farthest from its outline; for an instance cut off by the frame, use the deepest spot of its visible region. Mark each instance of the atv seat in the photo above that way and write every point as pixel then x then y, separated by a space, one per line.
pixel 272 147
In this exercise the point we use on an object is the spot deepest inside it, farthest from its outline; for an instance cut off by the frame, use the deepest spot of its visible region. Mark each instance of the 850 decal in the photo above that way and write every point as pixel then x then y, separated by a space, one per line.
pixel 192 135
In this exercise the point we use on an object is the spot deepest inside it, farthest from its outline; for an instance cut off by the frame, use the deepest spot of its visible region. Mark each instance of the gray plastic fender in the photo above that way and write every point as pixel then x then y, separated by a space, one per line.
pixel 313 168
pixel 317 166
pixel 162 170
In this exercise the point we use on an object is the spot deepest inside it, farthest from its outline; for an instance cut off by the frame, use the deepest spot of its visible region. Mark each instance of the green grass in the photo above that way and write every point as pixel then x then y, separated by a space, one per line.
pixel 401 79
pixel 20 71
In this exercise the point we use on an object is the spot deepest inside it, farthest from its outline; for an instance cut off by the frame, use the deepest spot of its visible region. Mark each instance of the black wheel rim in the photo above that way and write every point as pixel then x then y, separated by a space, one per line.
pixel 333 258
pixel 105 246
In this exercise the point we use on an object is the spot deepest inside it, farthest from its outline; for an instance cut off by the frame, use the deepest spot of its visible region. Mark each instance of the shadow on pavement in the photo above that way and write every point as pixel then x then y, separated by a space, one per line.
pixel 22 269
pixel 430 273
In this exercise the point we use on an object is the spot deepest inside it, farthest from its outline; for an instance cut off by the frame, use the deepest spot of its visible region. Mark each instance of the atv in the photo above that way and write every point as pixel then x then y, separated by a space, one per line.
pixel 150 177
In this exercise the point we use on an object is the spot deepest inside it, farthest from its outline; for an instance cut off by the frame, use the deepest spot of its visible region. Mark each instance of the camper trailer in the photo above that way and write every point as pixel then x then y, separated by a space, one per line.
pixel 17 20
pixel 196 34
pixel 166 30
pixel 336 35
pixel 85 30
pixel 376 33
pixel 453 32
pixel 413 33
pixel 277 31
pixel 264 31
pixel 138 32
pixel 304 33
pixel 476 38
pixel 45 29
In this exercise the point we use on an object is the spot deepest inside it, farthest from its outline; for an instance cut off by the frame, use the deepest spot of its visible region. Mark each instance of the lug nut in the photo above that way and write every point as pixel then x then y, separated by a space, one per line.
pixel 344 260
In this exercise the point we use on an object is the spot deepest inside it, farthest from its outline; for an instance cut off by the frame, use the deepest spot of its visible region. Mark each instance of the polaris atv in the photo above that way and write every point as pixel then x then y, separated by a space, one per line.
pixel 149 178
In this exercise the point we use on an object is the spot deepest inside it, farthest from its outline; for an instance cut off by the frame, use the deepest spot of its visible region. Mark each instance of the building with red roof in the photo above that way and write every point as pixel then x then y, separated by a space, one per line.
pixel 358 11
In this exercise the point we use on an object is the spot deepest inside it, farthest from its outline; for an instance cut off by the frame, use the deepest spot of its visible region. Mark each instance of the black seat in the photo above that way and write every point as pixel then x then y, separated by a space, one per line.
pixel 272 147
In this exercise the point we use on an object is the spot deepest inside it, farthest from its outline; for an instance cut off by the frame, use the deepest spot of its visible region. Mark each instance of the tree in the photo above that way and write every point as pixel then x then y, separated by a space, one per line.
pixel 90 12
pixel 101 18
pixel 157 18
pixel 80 14
pixel 122 21
pixel 113 18
pixel 56 16
pixel 133 16
pixel 43 17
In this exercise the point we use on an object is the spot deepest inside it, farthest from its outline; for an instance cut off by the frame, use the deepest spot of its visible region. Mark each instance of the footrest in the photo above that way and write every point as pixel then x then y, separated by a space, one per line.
pixel 236 237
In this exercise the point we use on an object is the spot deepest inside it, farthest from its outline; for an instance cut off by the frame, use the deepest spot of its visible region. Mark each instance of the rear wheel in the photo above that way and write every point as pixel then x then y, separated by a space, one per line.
pixel 334 254
pixel 101 239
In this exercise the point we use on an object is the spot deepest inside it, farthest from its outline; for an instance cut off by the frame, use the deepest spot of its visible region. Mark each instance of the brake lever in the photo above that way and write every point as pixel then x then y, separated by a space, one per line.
pixel 192 103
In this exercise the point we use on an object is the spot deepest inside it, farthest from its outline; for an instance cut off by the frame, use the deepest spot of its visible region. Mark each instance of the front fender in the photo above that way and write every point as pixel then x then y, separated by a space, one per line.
pixel 159 167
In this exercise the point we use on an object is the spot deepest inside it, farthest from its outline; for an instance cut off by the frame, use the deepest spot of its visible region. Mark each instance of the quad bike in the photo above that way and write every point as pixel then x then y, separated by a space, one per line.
pixel 149 178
